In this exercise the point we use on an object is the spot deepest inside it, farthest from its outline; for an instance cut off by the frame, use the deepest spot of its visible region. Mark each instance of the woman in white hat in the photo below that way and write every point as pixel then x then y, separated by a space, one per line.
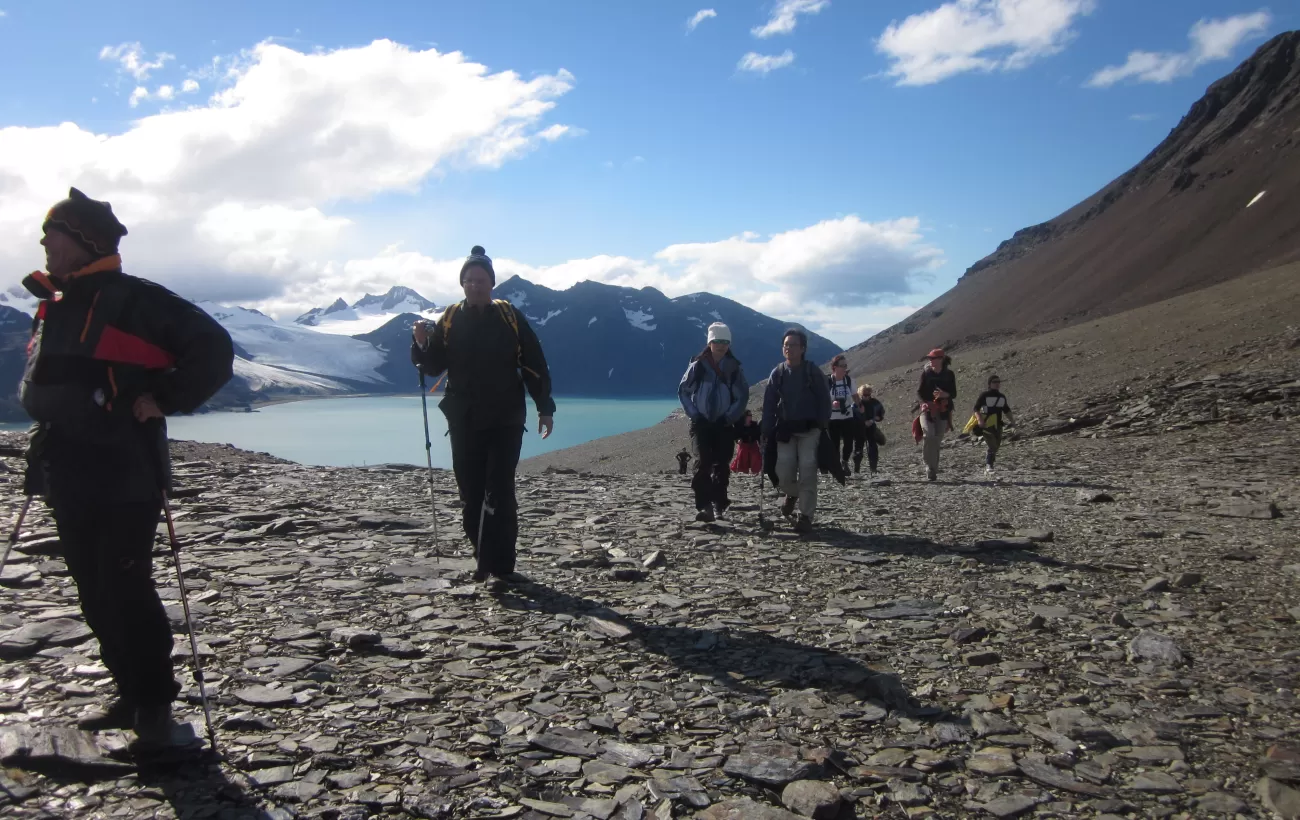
pixel 713 392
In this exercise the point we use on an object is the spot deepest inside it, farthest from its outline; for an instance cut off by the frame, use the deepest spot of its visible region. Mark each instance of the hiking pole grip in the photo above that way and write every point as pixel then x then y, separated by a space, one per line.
pixel 189 623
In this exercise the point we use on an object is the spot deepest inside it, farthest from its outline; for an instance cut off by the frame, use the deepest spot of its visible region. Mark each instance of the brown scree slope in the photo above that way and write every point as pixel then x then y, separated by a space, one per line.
pixel 1174 223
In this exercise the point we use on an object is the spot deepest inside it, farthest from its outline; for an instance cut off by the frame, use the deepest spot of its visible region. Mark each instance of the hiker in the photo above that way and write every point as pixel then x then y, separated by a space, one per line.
pixel 796 409
pixel 683 459
pixel 112 355
pixel 748 457
pixel 993 410
pixel 870 413
pixel 490 355
pixel 842 423
pixel 937 390
pixel 713 392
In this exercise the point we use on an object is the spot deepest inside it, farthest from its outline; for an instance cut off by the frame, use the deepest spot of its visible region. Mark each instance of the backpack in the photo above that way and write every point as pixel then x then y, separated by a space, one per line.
pixel 507 313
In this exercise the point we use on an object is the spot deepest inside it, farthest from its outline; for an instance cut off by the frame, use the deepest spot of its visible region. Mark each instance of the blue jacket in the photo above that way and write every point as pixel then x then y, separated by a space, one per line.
pixel 705 397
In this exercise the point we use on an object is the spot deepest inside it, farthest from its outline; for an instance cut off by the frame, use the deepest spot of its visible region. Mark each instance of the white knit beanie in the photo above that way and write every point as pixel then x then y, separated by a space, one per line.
pixel 718 332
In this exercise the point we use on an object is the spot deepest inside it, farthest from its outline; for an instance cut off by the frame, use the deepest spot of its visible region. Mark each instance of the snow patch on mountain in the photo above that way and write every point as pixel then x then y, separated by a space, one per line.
pixel 296 348
pixel 639 319
pixel 18 298
pixel 549 316
pixel 517 298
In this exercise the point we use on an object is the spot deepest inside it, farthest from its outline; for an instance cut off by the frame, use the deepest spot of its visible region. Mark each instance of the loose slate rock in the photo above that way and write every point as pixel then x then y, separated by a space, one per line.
pixel 1012 805
pixel 1264 512
pixel 265 696
pixel 744 809
pixel 1156 648
pixel 773 764
pixel 812 798
pixel 55 749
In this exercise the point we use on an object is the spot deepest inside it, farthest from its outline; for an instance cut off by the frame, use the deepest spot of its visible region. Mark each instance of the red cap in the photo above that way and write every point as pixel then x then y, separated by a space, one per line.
pixel 937 353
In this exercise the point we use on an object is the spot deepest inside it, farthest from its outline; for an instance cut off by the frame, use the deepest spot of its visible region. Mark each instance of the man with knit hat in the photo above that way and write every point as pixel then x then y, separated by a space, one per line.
pixel 937 390
pixel 713 392
pixel 490 355
pixel 110 356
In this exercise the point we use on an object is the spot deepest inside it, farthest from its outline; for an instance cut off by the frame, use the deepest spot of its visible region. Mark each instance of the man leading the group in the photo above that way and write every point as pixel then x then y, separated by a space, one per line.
pixel 713 392
pixel 796 408
pixel 110 356
pixel 490 354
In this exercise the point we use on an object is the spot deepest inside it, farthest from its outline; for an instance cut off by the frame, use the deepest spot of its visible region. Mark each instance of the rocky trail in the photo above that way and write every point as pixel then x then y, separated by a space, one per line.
pixel 1106 629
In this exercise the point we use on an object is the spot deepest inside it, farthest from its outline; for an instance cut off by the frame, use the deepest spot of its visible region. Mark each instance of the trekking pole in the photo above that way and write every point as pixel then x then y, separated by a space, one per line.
pixel 428 457
pixel 13 535
pixel 189 624
pixel 484 511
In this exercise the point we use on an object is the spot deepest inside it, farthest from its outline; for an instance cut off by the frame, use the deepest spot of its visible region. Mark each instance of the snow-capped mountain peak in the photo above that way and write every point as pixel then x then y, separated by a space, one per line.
pixel 368 313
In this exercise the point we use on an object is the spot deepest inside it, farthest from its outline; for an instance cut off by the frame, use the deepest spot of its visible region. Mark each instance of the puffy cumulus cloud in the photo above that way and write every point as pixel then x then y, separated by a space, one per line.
pixel 765 63
pixel 978 35
pixel 240 186
pixel 1210 40
pixel 699 17
pixel 841 276
pixel 785 16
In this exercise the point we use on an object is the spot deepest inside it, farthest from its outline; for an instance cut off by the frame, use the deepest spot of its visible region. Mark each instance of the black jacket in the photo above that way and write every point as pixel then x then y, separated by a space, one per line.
pixel 944 380
pixel 108 340
pixel 482 357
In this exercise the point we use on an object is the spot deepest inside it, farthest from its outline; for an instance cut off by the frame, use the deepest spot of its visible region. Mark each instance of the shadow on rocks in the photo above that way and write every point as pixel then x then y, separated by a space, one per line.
pixel 197 788
pixel 746 661
pixel 917 546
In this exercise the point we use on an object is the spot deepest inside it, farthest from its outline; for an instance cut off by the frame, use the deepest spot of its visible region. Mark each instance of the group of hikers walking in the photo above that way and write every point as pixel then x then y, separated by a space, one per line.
pixel 806 416
pixel 111 355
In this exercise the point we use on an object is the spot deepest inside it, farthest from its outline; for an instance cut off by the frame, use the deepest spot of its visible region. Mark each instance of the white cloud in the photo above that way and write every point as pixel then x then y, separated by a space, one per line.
pixel 131 59
pixel 978 35
pixel 699 17
pixel 1142 117
pixel 189 87
pixel 764 63
pixel 1210 40
pixel 785 16
pixel 232 199
pixel 163 92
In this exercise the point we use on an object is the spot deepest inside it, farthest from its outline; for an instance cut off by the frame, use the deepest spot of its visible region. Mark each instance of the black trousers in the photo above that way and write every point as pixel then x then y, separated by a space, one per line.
pixel 109 552
pixel 715 446
pixel 842 434
pixel 864 436
pixel 484 462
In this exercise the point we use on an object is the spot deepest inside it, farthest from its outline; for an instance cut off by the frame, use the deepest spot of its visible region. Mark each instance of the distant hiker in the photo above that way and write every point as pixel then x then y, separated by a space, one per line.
pixel 683 459
pixel 110 356
pixel 870 414
pixel 713 392
pixel 993 411
pixel 937 390
pixel 490 354
pixel 796 409
pixel 842 423
pixel 748 457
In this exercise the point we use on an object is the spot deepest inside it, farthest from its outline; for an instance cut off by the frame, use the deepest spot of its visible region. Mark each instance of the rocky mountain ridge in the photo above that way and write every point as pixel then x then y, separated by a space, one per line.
pixel 1214 200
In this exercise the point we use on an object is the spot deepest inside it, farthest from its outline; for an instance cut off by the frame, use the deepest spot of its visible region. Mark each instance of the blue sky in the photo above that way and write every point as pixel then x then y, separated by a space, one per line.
pixel 887 145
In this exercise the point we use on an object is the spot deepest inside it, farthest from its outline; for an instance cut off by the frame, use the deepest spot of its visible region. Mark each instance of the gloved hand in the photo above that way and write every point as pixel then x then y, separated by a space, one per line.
pixel 33 480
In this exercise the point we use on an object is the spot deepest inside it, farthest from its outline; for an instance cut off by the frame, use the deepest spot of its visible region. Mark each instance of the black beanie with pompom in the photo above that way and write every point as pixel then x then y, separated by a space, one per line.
pixel 478 256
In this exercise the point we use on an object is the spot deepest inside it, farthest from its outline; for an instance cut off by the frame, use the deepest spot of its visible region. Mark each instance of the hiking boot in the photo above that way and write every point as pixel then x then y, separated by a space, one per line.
pixel 155 729
pixel 496 584
pixel 803 525
pixel 787 506
pixel 720 510
pixel 705 515
pixel 120 714
pixel 988 469
pixel 480 575
pixel 932 475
